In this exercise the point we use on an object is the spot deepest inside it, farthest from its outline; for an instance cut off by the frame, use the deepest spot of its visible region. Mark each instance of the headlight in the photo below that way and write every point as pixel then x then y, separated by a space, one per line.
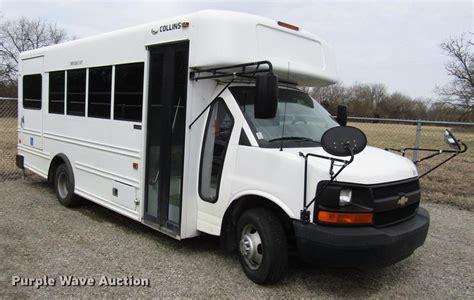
pixel 345 197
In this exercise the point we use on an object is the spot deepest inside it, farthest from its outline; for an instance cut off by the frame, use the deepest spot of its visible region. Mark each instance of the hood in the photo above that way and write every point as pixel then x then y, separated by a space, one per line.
pixel 371 166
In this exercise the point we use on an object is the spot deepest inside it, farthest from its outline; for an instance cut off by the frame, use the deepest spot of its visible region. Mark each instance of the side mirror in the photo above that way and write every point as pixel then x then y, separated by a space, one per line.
pixel 266 96
pixel 341 116
pixel 451 140
pixel 342 140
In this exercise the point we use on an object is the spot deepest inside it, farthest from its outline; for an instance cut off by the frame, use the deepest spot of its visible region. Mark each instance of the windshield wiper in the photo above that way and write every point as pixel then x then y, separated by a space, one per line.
pixel 294 138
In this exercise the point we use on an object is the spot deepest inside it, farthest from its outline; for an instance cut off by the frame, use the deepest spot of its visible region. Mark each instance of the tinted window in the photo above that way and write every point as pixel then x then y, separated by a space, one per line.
pixel 217 136
pixel 56 92
pixel 100 92
pixel 76 92
pixel 128 92
pixel 32 91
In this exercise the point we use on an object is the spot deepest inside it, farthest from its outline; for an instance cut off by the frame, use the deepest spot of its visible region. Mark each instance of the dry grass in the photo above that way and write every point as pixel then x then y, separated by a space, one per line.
pixel 452 183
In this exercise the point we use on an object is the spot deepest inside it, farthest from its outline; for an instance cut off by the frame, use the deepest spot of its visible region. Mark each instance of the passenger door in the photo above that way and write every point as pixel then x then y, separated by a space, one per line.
pixel 167 88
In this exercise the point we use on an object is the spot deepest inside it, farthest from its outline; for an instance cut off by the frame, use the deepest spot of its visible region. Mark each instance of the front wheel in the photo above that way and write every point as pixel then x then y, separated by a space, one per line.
pixel 262 246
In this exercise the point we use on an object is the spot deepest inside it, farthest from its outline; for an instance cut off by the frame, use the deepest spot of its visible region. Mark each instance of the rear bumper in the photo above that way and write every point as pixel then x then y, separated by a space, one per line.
pixel 361 246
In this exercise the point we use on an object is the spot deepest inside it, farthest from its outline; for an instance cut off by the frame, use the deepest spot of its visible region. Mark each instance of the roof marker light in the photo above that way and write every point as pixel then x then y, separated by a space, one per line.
pixel 289 26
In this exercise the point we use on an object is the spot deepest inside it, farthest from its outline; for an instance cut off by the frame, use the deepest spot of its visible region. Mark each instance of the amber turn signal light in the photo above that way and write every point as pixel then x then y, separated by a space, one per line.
pixel 345 218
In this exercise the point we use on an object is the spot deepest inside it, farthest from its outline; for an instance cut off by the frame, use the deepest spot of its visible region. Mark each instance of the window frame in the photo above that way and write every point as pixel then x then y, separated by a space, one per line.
pixel 114 92
pixel 23 92
pixel 88 85
pixel 64 92
pixel 84 114
pixel 216 101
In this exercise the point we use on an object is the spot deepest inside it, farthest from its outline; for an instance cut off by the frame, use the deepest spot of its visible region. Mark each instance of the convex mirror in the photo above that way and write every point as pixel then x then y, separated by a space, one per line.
pixel 342 140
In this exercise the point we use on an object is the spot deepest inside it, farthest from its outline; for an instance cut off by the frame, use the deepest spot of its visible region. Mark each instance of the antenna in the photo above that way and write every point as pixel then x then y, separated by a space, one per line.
pixel 284 111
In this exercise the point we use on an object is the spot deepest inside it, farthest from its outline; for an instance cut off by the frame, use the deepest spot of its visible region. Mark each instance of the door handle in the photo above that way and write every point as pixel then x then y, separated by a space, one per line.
pixel 22 122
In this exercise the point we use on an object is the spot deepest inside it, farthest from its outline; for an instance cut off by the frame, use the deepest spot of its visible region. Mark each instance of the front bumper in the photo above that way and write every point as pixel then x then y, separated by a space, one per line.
pixel 361 246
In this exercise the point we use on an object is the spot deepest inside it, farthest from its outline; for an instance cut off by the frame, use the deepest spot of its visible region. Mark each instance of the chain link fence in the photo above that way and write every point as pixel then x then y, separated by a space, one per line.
pixel 451 183
pixel 8 139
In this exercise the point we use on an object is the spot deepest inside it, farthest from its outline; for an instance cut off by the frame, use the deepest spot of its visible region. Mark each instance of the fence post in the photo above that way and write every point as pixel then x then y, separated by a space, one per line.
pixel 417 140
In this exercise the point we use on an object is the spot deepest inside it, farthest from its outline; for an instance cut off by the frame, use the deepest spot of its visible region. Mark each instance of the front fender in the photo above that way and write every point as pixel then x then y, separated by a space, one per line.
pixel 265 195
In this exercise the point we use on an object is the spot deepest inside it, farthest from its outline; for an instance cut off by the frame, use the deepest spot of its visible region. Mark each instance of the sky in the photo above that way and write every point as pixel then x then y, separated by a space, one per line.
pixel 395 43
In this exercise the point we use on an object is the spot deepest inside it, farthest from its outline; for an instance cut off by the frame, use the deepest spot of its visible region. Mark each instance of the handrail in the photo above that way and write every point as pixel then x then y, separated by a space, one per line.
pixel 228 71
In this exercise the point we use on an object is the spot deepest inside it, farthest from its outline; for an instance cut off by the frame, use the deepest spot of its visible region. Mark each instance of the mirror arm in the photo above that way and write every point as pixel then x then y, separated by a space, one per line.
pixel 438 165
pixel 456 153
pixel 304 213
pixel 210 103
pixel 437 151
pixel 429 156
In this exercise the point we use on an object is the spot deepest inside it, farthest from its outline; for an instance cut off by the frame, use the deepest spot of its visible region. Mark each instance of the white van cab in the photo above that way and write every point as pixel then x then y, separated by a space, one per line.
pixel 196 124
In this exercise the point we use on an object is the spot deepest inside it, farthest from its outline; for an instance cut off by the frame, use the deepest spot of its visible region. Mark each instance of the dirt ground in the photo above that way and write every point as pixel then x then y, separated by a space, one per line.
pixel 39 237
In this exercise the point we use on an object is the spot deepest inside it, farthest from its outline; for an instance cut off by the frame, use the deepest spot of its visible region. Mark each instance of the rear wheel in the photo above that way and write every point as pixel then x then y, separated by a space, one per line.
pixel 64 186
pixel 262 246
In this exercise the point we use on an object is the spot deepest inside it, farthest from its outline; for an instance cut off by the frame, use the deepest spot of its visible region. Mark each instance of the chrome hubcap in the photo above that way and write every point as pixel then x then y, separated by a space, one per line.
pixel 251 247
pixel 63 185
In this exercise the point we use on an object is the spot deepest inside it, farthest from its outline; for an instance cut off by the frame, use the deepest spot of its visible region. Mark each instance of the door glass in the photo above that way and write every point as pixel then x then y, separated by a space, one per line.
pixel 178 117
pixel 154 135
pixel 218 130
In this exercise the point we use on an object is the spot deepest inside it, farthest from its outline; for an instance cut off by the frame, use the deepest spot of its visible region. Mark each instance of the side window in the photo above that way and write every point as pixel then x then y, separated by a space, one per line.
pixel 100 92
pixel 216 138
pixel 32 87
pixel 128 97
pixel 56 92
pixel 76 92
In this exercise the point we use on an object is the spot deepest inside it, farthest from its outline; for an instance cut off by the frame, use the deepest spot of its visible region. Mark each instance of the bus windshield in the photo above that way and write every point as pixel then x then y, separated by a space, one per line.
pixel 305 120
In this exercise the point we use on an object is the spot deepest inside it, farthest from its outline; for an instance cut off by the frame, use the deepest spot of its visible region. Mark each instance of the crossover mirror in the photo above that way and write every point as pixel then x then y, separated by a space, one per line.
pixel 341 116
pixel 451 140
pixel 343 141
pixel 266 96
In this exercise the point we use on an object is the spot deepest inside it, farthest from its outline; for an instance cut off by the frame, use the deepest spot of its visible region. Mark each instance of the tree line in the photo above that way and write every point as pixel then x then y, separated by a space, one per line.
pixel 455 99
pixel 374 101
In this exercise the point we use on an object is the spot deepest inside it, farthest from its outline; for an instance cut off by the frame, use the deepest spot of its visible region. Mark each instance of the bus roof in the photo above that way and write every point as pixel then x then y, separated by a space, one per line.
pixel 217 38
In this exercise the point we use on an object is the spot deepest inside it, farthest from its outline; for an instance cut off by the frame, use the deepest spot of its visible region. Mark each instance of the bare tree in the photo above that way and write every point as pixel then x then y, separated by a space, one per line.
pixel 460 91
pixel 22 35
pixel 329 96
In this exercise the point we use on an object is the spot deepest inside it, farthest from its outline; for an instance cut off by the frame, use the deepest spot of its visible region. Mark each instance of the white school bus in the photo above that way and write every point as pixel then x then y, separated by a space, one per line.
pixel 195 125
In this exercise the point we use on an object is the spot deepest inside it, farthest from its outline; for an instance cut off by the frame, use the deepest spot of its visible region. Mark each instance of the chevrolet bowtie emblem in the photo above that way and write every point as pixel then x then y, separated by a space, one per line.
pixel 402 201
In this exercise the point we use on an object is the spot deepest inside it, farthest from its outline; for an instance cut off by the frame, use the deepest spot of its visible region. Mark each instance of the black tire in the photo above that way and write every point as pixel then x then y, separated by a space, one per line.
pixel 64 186
pixel 273 251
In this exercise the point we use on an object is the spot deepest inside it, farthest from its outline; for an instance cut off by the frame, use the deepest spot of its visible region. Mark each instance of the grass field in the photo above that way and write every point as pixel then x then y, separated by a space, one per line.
pixel 452 183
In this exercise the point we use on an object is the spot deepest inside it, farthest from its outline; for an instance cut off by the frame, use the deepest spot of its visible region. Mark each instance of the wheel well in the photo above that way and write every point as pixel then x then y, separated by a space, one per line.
pixel 235 210
pixel 55 163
